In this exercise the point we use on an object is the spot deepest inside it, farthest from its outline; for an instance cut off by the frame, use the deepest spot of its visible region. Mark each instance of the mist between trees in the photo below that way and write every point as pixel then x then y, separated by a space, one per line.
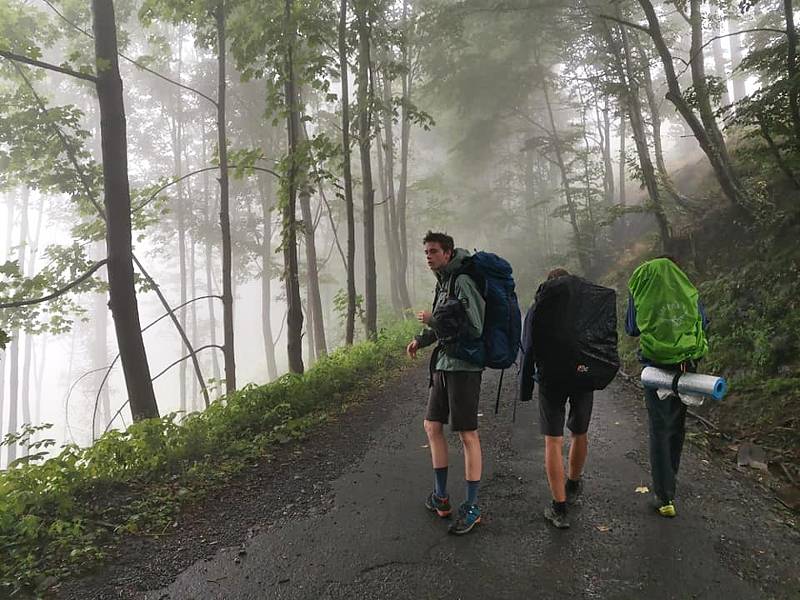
pixel 199 194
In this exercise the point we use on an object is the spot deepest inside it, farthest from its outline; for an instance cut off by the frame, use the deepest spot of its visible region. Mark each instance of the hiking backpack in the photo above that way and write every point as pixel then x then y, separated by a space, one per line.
pixel 574 333
pixel 502 324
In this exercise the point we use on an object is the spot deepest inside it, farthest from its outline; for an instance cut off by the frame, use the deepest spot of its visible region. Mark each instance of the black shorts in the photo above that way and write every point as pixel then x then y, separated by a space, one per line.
pixel 552 409
pixel 455 393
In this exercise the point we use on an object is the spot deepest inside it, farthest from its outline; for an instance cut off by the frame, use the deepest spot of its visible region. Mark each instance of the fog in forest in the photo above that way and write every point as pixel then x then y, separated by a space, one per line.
pixel 538 131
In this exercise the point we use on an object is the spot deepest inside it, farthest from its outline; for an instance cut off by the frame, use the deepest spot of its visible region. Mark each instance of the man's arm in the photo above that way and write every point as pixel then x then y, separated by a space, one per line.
pixel 630 319
pixel 528 362
pixel 474 304
pixel 703 317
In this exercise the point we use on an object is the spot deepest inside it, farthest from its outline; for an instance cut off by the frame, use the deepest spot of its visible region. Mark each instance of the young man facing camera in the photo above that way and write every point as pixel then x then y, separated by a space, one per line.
pixel 456 323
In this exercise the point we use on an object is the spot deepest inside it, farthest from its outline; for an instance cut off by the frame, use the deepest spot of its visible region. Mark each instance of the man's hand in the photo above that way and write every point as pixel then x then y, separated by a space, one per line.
pixel 412 348
pixel 424 316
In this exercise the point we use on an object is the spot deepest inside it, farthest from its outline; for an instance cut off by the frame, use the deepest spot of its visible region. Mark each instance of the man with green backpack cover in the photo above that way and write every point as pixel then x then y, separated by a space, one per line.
pixel 665 313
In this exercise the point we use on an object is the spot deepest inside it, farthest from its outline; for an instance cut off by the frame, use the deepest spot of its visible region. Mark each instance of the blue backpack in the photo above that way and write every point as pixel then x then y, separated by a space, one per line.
pixel 502 326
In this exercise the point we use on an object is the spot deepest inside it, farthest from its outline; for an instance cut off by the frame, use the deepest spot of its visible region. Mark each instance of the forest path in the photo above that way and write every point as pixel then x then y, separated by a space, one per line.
pixel 346 519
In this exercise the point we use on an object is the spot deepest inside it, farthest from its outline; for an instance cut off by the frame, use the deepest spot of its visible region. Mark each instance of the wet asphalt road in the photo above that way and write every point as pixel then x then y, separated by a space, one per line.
pixel 376 540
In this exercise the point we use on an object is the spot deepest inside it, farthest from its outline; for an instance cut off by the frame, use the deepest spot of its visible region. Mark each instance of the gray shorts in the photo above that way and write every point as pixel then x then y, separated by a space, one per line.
pixel 553 408
pixel 456 394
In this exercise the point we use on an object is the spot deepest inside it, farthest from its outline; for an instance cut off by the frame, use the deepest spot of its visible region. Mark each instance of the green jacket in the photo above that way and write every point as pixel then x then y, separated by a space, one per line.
pixel 667 313
pixel 474 305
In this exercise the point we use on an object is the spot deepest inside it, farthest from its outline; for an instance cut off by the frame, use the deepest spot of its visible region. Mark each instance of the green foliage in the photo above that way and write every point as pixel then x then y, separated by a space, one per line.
pixel 65 264
pixel 60 517
pixel 755 313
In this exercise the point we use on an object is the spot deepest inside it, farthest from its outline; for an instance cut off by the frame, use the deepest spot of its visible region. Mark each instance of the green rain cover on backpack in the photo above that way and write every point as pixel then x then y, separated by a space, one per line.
pixel 667 314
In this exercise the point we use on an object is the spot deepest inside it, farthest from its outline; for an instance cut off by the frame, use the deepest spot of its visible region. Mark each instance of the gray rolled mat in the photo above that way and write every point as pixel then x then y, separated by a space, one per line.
pixel 689 383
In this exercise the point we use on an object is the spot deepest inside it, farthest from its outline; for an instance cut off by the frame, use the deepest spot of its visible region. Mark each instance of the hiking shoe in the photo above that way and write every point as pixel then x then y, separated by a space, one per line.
pixel 574 490
pixel 558 519
pixel 441 506
pixel 665 509
pixel 469 515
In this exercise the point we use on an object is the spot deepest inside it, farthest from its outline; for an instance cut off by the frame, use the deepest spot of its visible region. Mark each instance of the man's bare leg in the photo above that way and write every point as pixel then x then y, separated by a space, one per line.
pixel 554 466
pixel 578 449
pixel 437 443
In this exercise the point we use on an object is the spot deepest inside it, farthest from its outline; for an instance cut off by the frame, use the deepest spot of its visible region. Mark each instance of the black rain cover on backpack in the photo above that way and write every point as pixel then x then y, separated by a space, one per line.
pixel 575 333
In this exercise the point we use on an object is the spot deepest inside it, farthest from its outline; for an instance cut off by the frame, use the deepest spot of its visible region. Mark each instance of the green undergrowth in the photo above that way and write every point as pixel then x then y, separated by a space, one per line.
pixel 66 514
pixel 755 341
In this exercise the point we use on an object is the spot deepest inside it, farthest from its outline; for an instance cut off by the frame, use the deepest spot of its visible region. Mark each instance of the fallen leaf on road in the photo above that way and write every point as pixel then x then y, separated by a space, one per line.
pixel 642 489
pixel 603 528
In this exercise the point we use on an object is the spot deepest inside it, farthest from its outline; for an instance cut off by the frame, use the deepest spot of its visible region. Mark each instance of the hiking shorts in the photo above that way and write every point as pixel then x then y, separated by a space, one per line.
pixel 553 408
pixel 455 394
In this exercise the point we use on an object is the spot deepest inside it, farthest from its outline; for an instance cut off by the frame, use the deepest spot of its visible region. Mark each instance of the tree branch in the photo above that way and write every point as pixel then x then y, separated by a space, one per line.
pixel 130 60
pixel 625 23
pixel 67 148
pixel 58 292
pixel 116 358
pixel 203 170
pixel 18 58
pixel 190 355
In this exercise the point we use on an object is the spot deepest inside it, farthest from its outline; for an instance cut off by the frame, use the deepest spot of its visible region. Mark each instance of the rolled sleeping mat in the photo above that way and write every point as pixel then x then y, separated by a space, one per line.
pixel 688 383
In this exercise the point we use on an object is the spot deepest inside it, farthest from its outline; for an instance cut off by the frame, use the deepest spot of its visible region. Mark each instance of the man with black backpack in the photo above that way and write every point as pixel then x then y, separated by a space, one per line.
pixel 569 347
pixel 456 322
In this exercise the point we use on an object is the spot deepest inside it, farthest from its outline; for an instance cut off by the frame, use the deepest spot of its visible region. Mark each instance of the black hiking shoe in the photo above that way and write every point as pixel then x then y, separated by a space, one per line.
pixel 469 515
pixel 556 517
pixel 441 506
pixel 574 491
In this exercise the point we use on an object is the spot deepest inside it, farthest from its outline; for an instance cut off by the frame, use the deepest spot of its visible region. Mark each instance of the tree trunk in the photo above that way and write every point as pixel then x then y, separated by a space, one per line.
pixel 722 169
pixel 400 285
pixel 655 122
pixel 100 345
pixel 265 191
pixel 177 143
pixel 13 391
pixel 367 191
pixel 10 206
pixel 27 361
pixel 347 177
pixel 736 43
pixel 791 68
pixel 193 311
pixel 291 269
pixel 209 261
pixel 622 137
pixel 627 79
pixel 317 324
pixel 117 200
pixel 14 397
pixel 580 244
pixel 776 154
pixel 388 223
pixel 224 206
pixel 608 165
pixel 405 140
pixel 719 58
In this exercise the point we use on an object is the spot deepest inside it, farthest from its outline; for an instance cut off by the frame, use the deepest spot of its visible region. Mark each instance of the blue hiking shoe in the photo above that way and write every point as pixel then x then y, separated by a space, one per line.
pixel 441 506
pixel 469 515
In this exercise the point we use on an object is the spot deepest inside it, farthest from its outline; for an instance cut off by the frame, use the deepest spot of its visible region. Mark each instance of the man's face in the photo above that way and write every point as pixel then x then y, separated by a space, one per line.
pixel 436 257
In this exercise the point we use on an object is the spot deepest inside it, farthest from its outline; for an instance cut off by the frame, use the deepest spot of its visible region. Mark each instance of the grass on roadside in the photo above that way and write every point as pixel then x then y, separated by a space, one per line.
pixel 62 516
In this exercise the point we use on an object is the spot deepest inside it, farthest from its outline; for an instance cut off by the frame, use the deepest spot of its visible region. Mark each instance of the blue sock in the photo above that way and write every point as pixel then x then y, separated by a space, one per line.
pixel 472 492
pixel 440 482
